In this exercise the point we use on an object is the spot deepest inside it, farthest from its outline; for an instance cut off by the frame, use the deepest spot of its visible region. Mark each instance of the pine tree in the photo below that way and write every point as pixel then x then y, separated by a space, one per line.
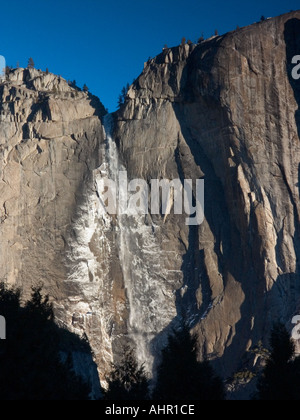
pixel 181 377
pixel 85 88
pixel 120 101
pixel 123 95
pixel 201 39
pixel 128 381
pixel 30 63
pixel 8 69
pixel 281 377
pixel 31 366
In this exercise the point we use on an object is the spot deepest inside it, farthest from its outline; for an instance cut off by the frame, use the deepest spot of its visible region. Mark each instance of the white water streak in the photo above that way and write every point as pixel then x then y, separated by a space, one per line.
pixel 151 304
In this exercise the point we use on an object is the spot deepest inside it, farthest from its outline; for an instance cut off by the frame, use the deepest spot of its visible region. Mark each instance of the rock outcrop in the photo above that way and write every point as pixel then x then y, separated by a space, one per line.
pixel 226 111
pixel 50 144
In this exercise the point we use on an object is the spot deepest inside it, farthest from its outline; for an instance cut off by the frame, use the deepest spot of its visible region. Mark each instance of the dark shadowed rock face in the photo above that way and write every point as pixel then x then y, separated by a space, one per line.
pixel 225 111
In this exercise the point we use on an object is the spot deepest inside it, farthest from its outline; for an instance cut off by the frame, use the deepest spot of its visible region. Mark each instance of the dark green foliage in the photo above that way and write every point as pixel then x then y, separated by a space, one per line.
pixel 262 19
pixel 281 376
pixel 73 84
pixel 128 381
pixel 201 39
pixel 30 63
pixel 123 95
pixel 283 348
pixel 180 375
pixel 85 88
pixel 8 69
pixel 31 366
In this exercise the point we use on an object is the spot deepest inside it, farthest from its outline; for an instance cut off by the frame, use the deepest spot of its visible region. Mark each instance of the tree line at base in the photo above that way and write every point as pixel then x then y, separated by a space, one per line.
pixel 181 376
pixel 32 366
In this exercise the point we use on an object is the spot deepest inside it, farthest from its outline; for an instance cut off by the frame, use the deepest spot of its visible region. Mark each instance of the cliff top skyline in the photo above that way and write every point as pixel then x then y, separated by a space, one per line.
pixel 103 45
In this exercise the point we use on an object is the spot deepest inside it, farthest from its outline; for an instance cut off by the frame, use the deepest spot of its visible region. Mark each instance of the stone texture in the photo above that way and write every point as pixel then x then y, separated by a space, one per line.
pixel 226 111
pixel 50 142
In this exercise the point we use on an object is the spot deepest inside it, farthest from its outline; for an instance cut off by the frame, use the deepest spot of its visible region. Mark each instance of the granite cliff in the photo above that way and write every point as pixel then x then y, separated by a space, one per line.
pixel 226 111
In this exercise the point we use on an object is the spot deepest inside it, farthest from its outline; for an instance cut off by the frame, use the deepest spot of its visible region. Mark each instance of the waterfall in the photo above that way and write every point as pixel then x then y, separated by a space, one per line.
pixel 98 243
pixel 151 303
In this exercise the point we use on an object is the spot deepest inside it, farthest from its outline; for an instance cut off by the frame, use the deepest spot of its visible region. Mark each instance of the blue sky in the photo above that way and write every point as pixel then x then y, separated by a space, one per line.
pixel 105 43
